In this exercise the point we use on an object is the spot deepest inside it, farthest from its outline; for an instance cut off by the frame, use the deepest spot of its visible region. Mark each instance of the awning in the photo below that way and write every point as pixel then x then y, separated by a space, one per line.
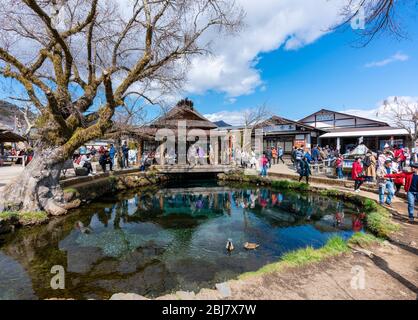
pixel 368 133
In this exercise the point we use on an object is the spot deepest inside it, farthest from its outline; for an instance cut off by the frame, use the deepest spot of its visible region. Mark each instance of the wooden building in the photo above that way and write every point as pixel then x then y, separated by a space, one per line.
pixel 184 115
pixel 287 133
pixel 345 131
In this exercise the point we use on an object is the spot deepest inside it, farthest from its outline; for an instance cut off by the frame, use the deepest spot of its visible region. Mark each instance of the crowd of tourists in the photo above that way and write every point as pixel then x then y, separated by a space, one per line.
pixel 392 169
pixel 16 155
pixel 105 156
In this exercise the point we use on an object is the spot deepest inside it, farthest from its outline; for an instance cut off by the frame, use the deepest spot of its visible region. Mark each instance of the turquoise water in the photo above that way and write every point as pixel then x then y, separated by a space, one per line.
pixel 154 242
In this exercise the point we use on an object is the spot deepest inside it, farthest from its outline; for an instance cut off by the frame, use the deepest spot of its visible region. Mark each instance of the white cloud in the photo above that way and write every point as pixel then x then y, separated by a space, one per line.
pixel 397 57
pixel 270 24
pixel 383 110
pixel 234 118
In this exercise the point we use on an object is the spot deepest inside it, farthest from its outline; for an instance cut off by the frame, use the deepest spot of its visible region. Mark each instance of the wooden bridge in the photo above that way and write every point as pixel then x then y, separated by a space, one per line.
pixel 207 168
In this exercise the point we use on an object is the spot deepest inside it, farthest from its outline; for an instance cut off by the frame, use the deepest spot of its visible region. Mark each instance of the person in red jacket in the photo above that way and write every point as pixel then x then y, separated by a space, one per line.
pixel 357 174
pixel 411 187
pixel 400 156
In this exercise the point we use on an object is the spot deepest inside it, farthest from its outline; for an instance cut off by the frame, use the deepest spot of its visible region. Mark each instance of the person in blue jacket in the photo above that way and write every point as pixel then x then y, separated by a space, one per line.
pixel 112 153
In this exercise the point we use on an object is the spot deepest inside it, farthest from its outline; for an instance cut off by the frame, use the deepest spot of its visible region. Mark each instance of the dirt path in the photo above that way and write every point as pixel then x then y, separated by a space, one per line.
pixel 392 273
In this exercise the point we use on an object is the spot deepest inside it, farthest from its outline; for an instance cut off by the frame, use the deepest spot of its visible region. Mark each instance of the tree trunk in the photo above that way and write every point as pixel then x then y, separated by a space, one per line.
pixel 37 188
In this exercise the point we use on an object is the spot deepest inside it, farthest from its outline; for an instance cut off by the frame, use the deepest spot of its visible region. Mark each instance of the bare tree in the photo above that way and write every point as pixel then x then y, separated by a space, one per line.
pixel 79 60
pixel 402 114
pixel 379 16
pixel 253 117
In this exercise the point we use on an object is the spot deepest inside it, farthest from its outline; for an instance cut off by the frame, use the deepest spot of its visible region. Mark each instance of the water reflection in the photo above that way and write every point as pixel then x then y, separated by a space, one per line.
pixel 155 242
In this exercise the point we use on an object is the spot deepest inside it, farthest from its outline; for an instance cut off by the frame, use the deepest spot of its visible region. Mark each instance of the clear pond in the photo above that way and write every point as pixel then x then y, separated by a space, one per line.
pixel 158 241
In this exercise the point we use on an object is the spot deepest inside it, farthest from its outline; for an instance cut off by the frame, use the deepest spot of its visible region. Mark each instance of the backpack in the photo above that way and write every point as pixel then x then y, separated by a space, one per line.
pixel 367 162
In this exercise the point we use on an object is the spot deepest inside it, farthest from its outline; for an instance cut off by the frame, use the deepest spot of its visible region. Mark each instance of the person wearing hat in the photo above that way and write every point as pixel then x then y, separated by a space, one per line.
pixel 369 164
pixel 411 187
pixel 385 182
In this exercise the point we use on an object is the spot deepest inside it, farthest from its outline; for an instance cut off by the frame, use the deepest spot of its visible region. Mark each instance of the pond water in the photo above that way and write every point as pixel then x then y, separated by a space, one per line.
pixel 158 241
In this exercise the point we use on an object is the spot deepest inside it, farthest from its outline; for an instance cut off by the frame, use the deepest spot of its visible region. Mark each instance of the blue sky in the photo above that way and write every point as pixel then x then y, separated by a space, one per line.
pixel 285 60
pixel 330 73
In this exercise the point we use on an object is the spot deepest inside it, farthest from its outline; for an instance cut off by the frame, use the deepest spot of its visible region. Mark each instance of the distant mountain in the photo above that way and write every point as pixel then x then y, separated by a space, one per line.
pixel 8 112
pixel 222 124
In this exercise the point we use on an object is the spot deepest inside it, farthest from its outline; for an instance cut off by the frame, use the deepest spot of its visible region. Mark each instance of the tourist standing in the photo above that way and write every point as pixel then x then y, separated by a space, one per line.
pixel 298 158
pixel 339 167
pixel 112 153
pixel 308 156
pixel 201 153
pixel 269 156
pixel 305 169
pixel 400 156
pixel 315 154
pixel 125 155
pixel 369 163
pixel 132 156
pixel 411 187
pixel 253 160
pixel 293 157
pixel 274 155
pixel 264 163
pixel 280 154
pixel 385 183
pixel 357 174
pixel 413 157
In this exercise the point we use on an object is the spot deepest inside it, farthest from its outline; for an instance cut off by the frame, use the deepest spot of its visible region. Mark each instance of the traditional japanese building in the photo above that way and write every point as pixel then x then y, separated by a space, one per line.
pixel 345 131
pixel 183 116
pixel 287 133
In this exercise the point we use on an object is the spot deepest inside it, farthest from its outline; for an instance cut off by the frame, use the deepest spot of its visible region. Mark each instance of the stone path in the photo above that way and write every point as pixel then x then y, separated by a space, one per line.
pixel 8 173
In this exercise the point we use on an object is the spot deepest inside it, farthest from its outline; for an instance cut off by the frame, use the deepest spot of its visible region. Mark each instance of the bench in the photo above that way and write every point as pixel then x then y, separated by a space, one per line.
pixel 69 164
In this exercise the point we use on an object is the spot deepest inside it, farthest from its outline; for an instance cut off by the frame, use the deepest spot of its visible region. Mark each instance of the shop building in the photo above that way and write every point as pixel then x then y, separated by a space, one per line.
pixel 345 131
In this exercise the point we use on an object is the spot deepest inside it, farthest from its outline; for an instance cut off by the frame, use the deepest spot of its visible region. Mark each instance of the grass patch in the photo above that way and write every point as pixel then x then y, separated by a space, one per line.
pixel 6 215
pixel 25 218
pixel 290 185
pixel 36 217
pixel 334 247
pixel 330 193
pixel 370 205
pixel 363 239
pixel 380 223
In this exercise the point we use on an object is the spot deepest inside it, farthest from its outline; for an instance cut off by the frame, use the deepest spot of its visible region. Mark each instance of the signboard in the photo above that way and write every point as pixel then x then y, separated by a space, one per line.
pixel 299 143
pixel 282 127
pixel 325 117
pixel 348 164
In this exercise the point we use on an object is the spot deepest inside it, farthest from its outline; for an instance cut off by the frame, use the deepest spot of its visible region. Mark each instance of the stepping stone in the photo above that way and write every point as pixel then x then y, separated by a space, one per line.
pixel 127 296
pixel 186 295
pixel 224 289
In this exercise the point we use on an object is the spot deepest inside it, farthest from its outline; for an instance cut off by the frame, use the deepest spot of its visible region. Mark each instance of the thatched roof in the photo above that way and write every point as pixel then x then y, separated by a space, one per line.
pixel 9 136
pixel 183 111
